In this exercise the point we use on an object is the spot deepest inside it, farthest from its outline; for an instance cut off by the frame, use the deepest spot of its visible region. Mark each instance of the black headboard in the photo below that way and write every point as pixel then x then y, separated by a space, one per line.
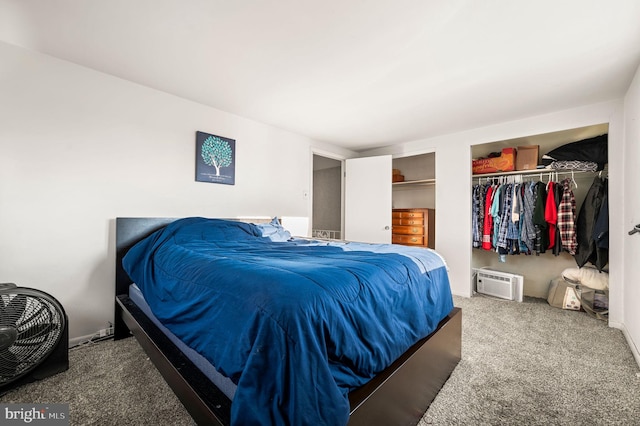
pixel 130 230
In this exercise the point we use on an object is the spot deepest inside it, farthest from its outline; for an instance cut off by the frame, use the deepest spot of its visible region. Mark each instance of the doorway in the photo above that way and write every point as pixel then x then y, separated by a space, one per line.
pixel 327 198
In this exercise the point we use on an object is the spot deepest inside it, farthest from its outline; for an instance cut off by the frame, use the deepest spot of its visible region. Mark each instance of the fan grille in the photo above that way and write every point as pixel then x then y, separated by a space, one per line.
pixel 31 324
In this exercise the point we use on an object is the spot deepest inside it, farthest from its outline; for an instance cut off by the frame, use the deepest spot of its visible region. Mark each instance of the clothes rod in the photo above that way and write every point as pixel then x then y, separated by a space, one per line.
pixel 541 173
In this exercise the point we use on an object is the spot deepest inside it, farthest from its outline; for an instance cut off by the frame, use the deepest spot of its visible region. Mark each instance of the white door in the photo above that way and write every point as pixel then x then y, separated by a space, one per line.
pixel 367 215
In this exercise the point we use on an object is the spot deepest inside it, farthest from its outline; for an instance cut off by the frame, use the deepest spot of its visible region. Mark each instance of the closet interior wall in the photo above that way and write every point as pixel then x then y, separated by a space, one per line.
pixel 537 270
pixel 415 168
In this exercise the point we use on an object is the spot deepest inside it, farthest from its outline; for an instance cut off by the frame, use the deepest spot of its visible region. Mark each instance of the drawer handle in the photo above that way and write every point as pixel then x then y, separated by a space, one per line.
pixel 414 240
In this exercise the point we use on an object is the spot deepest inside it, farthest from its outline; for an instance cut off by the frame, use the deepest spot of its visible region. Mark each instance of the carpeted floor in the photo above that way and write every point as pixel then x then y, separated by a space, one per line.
pixel 522 363
pixel 108 383
pixel 532 364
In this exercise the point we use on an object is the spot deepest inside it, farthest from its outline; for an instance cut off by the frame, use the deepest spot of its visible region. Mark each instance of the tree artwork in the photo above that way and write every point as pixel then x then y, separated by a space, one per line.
pixel 213 153
pixel 216 152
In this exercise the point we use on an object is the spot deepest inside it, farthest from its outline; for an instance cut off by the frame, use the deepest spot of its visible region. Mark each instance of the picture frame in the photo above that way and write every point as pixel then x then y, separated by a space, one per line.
pixel 215 159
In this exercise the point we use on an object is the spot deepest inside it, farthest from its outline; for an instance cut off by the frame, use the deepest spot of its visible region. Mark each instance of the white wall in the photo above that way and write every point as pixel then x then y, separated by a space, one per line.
pixel 80 148
pixel 631 212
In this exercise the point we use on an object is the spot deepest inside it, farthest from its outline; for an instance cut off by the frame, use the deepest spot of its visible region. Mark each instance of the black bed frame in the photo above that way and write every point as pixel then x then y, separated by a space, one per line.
pixel 399 395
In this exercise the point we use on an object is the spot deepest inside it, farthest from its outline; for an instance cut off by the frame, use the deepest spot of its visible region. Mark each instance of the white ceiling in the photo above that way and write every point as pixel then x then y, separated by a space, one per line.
pixel 356 73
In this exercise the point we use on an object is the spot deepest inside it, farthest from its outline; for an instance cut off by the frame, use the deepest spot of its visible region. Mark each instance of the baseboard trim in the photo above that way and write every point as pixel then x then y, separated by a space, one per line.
pixel 630 342
pixel 79 340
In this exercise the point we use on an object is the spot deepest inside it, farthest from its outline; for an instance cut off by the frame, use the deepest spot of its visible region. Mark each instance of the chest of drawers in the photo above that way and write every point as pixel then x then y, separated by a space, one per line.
pixel 413 227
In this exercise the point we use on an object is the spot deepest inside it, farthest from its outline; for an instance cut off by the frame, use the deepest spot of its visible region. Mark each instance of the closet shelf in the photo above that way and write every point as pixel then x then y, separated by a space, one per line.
pixel 415 182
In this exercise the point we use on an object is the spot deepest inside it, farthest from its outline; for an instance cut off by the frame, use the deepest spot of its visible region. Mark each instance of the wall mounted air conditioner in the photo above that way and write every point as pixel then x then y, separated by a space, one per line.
pixel 503 285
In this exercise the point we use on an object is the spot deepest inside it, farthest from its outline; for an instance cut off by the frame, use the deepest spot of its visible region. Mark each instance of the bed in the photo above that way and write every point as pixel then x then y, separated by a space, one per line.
pixel 312 363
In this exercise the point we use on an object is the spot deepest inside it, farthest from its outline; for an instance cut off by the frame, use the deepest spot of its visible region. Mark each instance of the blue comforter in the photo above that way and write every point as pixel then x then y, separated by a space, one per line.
pixel 297 324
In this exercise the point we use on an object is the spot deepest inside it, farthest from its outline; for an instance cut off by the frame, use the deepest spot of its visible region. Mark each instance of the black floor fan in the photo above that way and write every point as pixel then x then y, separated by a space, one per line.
pixel 34 336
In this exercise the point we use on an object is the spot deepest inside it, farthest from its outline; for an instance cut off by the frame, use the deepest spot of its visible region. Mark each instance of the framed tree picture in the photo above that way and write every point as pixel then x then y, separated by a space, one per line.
pixel 215 159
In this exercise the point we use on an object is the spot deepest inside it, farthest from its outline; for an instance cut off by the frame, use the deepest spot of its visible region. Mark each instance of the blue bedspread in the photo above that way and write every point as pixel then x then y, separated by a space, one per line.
pixel 296 325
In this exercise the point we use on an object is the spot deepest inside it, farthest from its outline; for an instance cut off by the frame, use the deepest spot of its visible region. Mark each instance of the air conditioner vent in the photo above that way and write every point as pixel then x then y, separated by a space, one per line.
pixel 496 277
pixel 503 285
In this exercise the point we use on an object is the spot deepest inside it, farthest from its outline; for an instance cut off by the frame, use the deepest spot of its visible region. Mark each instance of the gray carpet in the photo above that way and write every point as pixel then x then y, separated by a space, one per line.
pixel 532 364
pixel 522 363
pixel 108 383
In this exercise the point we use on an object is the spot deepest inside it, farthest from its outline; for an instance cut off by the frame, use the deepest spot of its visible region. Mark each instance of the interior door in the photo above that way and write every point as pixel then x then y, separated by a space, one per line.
pixel 367 215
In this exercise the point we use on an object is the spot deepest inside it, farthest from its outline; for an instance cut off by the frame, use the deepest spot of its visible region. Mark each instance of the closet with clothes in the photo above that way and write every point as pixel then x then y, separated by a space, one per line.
pixel 538 223
pixel 526 214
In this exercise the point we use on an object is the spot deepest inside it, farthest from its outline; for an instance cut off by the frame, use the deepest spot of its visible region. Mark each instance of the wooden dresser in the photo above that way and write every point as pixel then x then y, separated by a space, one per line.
pixel 414 227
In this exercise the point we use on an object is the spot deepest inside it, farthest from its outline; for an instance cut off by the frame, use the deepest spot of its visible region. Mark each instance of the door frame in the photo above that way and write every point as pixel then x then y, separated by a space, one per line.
pixel 333 156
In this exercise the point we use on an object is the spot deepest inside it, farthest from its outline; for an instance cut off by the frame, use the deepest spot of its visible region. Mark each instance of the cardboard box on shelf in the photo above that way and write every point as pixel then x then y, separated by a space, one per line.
pixel 504 163
pixel 527 158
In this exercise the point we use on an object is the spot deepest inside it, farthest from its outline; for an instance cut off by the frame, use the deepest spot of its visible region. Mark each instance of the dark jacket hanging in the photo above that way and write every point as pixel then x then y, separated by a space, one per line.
pixel 588 250
pixel 601 231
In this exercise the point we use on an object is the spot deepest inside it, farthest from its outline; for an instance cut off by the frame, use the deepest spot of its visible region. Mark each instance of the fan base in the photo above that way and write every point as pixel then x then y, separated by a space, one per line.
pixel 56 362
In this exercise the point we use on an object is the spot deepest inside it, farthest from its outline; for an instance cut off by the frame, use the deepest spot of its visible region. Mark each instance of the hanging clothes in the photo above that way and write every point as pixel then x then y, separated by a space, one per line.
pixel 601 231
pixel 551 214
pixel 488 220
pixel 513 229
pixel 527 227
pixel 505 218
pixel 533 217
pixel 496 213
pixel 566 221
pixel 539 221
pixel 557 247
pixel 508 234
pixel 476 235
pixel 592 239
pixel 481 199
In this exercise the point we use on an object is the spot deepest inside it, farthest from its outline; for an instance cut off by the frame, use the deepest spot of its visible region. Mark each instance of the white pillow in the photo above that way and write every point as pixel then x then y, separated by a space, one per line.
pixel 587 276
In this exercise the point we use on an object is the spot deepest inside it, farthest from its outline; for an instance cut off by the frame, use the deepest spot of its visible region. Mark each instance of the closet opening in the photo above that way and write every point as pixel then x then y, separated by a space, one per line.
pixel 414 200
pixel 537 268
pixel 327 198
